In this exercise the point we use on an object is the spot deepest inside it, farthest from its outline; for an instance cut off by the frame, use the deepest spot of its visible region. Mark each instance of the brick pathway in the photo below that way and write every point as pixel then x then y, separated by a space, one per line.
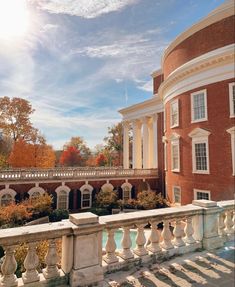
pixel 215 268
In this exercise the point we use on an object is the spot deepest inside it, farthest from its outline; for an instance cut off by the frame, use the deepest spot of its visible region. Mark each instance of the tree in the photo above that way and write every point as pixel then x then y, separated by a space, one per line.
pixel 31 155
pixel 101 160
pixel 79 144
pixel 15 119
pixel 106 198
pixel 70 157
pixel 5 149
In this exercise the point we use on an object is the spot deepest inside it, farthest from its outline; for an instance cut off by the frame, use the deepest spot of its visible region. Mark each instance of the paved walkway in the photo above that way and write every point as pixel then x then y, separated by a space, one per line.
pixel 205 268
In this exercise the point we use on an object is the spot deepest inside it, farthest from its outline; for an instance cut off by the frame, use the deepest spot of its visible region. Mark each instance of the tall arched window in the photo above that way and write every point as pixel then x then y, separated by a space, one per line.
pixel 126 191
pixel 35 192
pixel 6 199
pixel 86 196
pixel 62 197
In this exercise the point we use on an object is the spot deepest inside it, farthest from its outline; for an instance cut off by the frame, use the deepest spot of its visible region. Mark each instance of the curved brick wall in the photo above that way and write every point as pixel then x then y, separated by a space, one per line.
pixel 220 180
pixel 215 36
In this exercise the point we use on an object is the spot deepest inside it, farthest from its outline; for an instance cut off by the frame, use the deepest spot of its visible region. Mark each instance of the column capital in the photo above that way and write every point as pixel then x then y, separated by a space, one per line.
pixel 154 117
pixel 125 124
pixel 145 120
pixel 136 122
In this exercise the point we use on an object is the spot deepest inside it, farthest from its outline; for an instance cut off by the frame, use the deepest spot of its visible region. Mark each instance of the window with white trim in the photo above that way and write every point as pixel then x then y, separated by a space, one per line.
pixel 231 131
pixel 62 198
pixel 174 112
pixel 126 193
pixel 200 150
pixel 86 199
pixel 175 153
pixel 202 194
pixel 6 199
pixel 232 99
pixel 199 106
pixel 177 194
pixel 164 120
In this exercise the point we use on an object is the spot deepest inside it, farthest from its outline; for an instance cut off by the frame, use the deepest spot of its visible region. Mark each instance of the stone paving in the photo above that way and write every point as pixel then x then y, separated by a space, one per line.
pixel 215 268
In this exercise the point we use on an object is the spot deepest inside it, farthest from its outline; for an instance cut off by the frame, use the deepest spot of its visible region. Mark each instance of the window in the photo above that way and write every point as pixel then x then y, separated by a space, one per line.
pixel 126 191
pixel 62 200
pixel 202 194
pixel 86 199
pixel 6 199
pixel 174 113
pixel 164 140
pixel 232 99
pixel 175 153
pixel 177 194
pixel 199 106
pixel 231 131
pixel 200 151
pixel 35 192
pixel 164 120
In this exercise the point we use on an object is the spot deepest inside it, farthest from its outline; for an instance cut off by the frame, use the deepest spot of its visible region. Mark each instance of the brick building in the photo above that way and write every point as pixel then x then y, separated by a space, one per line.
pixel 187 128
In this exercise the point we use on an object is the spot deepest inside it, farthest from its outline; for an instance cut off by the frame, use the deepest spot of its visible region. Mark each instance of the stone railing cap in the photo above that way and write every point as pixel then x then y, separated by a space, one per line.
pixel 83 218
pixel 204 203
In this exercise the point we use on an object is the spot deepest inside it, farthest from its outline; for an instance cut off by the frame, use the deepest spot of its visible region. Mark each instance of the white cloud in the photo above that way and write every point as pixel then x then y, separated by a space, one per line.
pixel 84 8
pixel 147 86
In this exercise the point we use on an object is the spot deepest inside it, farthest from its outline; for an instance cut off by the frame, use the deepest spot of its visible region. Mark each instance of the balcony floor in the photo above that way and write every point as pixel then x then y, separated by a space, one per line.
pixel 215 268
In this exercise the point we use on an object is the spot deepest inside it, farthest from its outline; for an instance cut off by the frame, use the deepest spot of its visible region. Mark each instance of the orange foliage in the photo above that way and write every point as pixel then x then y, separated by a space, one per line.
pixel 31 155
pixel 101 160
pixel 70 157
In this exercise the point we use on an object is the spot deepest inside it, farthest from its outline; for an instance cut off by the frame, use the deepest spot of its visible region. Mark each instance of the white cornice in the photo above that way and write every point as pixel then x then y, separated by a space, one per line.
pixel 156 73
pixel 143 109
pixel 214 66
pixel 223 11
pixel 198 132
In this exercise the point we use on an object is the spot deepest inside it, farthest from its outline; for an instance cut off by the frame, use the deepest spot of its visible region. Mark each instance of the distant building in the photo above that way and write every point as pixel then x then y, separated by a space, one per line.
pixel 187 128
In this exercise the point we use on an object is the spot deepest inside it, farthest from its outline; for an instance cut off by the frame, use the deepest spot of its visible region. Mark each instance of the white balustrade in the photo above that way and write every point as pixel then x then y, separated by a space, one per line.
pixel 31 263
pixel 166 236
pixel 126 252
pixel 52 258
pixel 228 222
pixel 110 248
pixel 154 246
pixel 8 268
pixel 140 249
pixel 177 232
pixel 188 230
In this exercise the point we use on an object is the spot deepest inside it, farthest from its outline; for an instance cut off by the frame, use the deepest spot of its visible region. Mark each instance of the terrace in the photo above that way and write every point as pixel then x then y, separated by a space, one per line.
pixel 202 225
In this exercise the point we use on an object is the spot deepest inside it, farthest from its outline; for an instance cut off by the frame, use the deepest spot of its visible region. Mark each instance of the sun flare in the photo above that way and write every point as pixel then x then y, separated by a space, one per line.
pixel 14 18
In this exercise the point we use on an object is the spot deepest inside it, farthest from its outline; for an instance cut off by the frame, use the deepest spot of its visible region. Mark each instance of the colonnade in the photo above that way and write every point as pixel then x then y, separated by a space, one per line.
pixel 145 143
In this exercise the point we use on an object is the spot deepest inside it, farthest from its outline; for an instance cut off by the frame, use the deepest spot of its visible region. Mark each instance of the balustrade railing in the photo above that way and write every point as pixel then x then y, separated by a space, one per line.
pixel 73 173
pixel 160 233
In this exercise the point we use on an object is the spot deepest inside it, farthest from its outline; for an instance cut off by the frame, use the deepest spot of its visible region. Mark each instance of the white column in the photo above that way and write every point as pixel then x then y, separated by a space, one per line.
pixel 155 142
pixel 145 142
pixel 126 145
pixel 137 151
pixel 151 147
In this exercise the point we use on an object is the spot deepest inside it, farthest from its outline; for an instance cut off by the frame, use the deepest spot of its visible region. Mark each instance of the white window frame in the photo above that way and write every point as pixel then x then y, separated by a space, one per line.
pixel 192 106
pixel 198 136
pixel 35 189
pixel 195 191
pixel 175 102
pixel 9 191
pixel 173 192
pixel 164 120
pixel 175 141
pixel 231 131
pixel 86 189
pixel 164 140
pixel 232 112
pixel 129 186
pixel 59 189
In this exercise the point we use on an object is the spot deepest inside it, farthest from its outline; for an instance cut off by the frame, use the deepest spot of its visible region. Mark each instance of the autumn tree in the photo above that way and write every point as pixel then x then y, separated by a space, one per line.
pixel 26 154
pixel 101 160
pixel 5 149
pixel 15 119
pixel 70 157
pixel 79 144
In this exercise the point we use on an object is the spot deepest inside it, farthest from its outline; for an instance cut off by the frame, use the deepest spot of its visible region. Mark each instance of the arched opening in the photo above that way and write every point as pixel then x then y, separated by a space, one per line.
pixel 62 198
pixel 6 199
pixel 86 199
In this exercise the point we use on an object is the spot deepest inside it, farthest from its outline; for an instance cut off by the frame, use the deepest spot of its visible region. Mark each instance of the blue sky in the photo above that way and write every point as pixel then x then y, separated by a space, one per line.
pixel 79 61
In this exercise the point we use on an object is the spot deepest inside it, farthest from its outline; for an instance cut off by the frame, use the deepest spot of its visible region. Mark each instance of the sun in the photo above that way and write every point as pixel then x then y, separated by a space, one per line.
pixel 14 18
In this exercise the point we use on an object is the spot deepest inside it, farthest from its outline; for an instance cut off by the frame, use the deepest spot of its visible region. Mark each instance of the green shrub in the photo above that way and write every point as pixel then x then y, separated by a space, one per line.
pixel 58 215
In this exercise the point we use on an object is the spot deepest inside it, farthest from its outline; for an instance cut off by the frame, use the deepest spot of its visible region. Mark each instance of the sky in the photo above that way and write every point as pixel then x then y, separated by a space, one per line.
pixel 79 61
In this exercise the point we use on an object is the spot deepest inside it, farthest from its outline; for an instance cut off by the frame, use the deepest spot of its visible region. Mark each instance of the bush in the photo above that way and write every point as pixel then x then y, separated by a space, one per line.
pixel 42 205
pixel 106 199
pixel 58 215
pixel 150 200
pixel 100 211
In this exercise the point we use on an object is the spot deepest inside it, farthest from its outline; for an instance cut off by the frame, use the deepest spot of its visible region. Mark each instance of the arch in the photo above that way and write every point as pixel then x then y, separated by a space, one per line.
pixel 62 197
pixel 107 187
pixel 86 196
pixel 7 195
pixel 35 192
pixel 126 191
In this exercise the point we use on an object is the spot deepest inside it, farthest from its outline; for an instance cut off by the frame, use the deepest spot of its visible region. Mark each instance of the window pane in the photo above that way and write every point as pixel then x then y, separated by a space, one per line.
pixel 175 157
pixel 86 199
pixel 62 200
pixel 199 106
pixel 203 195
pixel 177 196
pixel 174 113
pixel 201 156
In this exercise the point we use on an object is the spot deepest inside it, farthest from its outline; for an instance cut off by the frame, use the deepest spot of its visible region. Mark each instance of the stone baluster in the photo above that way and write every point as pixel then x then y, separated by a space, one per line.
pixel 166 236
pixel 154 238
pixel 140 249
pixel 30 263
pixel 8 268
pixel 228 222
pixel 221 225
pixel 126 244
pixel 110 247
pixel 51 260
pixel 178 241
pixel 188 230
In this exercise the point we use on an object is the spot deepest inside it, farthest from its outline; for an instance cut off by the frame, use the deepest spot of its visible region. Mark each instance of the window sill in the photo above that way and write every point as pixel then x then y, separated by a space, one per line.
pixel 175 126
pixel 175 170
pixel 201 171
pixel 199 121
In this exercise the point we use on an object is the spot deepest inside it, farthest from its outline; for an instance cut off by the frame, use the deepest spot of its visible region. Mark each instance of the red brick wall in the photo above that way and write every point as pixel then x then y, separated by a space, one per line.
pixel 220 180
pixel 208 39
pixel 157 82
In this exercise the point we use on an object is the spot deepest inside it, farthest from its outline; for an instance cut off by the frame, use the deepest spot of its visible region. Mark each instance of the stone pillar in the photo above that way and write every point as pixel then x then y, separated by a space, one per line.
pixel 155 142
pixel 146 142
pixel 87 255
pixel 126 145
pixel 137 150
pixel 151 147
pixel 211 212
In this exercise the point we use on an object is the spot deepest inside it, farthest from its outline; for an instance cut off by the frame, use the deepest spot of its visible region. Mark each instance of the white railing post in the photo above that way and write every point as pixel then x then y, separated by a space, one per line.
pixel 110 248
pixel 188 230
pixel 31 263
pixel 8 268
pixel 228 222
pixel 126 244
pixel 140 241
pixel 154 246
pixel 178 241
pixel 51 259
pixel 166 236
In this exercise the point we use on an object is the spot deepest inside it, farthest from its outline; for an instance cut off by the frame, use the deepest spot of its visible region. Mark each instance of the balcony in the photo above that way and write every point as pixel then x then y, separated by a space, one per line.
pixel 73 174
pixel 186 229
